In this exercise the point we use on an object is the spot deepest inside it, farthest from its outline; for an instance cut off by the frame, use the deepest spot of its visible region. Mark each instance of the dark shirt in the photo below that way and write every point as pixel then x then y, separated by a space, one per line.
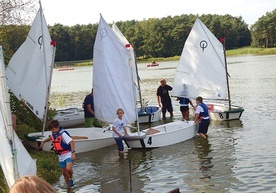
pixel 163 92
pixel 89 100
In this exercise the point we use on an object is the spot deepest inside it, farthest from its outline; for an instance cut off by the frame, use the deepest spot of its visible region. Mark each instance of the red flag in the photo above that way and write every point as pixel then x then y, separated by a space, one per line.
pixel 221 40
pixel 127 45
pixel 53 43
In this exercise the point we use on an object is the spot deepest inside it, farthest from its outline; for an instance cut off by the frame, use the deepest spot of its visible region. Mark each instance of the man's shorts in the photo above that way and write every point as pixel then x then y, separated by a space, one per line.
pixel 62 164
pixel 167 107
pixel 89 122
pixel 184 108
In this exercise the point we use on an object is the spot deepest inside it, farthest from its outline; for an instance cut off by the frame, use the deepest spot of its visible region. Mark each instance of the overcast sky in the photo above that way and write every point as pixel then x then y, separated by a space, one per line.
pixel 71 12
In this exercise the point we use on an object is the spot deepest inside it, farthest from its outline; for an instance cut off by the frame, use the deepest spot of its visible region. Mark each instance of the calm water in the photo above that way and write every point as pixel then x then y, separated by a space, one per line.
pixel 239 156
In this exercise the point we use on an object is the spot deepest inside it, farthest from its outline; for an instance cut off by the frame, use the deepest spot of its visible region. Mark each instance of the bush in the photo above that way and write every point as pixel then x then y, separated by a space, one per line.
pixel 26 116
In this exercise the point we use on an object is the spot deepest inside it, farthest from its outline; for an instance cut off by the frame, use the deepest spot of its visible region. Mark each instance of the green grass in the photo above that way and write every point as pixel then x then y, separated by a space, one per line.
pixel 47 162
pixel 251 50
pixel 85 63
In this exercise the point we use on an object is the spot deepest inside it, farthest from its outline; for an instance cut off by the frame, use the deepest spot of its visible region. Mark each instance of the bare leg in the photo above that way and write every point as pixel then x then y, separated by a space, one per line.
pixel 164 115
pixel 66 176
pixel 183 114
pixel 186 115
pixel 171 114
pixel 202 135
pixel 69 169
pixel 13 121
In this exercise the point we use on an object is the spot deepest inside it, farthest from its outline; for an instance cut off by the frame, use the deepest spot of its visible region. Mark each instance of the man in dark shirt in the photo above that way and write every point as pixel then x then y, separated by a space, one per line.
pixel 163 94
pixel 88 106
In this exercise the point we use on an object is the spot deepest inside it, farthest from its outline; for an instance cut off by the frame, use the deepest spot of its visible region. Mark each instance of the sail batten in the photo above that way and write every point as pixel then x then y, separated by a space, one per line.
pixel 30 67
pixel 201 68
pixel 112 80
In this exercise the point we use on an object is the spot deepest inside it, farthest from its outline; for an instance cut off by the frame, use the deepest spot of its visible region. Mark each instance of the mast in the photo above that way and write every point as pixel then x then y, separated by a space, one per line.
pixel 227 79
pixel 51 72
pixel 138 81
pixel 134 90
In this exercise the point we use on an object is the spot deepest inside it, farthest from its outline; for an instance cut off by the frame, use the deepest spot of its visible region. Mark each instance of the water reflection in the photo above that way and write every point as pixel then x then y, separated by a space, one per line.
pixel 228 124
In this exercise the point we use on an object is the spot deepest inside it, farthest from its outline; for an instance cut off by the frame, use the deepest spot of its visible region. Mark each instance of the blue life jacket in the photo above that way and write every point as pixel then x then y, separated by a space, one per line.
pixel 59 146
pixel 184 101
pixel 206 111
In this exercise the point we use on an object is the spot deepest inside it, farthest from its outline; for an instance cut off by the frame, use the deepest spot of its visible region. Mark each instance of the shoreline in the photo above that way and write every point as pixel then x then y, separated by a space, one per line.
pixel 232 52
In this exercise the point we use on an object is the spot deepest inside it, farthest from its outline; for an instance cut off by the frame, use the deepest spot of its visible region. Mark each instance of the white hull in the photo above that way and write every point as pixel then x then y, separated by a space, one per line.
pixel 70 117
pixel 96 138
pixel 221 112
pixel 75 116
pixel 150 116
pixel 169 134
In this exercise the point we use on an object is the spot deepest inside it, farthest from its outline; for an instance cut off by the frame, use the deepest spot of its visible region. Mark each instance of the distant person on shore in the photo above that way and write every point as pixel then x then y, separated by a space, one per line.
pixel 164 98
pixel 119 129
pixel 202 117
pixel 88 107
pixel 184 107
pixel 64 146
pixel 28 184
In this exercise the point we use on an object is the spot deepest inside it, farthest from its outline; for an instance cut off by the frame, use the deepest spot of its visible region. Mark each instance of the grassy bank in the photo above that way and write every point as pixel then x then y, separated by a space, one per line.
pixel 251 50
pixel 47 162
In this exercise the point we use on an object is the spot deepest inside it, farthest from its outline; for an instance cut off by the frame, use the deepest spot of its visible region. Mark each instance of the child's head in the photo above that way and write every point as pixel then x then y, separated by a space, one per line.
pixel 199 100
pixel 120 113
pixel 53 126
pixel 28 184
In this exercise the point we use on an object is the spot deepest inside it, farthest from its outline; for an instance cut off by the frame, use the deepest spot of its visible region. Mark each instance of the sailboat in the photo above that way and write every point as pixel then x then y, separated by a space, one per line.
pixel 202 71
pixel 115 86
pixel 29 72
pixel 15 161
pixel 146 114
pixel 29 76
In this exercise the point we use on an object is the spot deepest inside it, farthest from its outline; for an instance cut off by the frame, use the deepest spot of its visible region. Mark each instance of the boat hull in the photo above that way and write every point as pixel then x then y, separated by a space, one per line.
pixel 221 112
pixel 151 114
pixel 88 139
pixel 169 134
pixel 70 117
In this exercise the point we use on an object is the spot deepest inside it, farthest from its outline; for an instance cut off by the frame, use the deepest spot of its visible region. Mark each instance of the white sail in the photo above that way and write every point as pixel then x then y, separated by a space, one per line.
pixel 15 161
pixel 112 76
pixel 132 62
pixel 201 69
pixel 29 70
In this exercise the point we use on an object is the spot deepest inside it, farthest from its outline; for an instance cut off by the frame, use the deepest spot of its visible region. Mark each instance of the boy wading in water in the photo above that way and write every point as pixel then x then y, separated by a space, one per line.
pixel 64 146
pixel 202 116
pixel 119 127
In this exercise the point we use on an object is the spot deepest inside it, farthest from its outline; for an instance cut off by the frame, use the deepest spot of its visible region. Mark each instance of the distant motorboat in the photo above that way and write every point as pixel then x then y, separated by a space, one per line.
pixel 153 64
pixel 65 68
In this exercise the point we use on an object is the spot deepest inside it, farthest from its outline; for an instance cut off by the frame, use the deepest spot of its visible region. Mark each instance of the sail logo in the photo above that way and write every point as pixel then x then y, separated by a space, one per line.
pixel 39 41
pixel 203 44
pixel 103 33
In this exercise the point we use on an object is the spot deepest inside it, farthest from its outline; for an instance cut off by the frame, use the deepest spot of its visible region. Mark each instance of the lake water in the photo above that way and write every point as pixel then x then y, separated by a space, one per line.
pixel 239 156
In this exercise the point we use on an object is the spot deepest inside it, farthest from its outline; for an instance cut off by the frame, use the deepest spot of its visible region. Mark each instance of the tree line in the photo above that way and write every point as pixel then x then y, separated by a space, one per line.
pixel 155 37
pixel 264 31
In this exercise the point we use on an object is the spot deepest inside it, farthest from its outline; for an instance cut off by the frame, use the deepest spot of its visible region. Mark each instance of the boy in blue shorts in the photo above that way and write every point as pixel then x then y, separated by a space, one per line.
pixel 64 146
pixel 119 127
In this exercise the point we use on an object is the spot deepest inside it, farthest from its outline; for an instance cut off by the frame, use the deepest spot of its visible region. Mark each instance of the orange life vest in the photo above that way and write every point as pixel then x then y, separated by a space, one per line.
pixel 59 146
